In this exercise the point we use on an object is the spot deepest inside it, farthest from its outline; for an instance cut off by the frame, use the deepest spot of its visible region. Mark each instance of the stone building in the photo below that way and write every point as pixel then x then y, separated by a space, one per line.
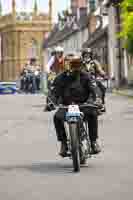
pixel 21 37
pixel 98 33
pixel 121 63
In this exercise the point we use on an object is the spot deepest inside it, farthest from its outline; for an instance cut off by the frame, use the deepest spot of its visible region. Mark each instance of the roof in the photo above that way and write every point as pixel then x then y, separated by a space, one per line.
pixel 57 35
pixel 51 36
pixel 95 36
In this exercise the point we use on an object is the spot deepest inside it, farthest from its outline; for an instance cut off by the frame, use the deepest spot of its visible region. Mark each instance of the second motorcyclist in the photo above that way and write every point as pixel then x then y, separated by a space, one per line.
pixel 95 69
pixel 53 68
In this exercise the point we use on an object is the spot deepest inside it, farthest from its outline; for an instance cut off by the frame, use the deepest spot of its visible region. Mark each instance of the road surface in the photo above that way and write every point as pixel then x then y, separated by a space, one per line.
pixel 30 168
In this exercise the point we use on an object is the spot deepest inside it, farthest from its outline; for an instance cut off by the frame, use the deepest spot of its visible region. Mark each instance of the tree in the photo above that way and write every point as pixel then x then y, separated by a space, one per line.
pixel 127 24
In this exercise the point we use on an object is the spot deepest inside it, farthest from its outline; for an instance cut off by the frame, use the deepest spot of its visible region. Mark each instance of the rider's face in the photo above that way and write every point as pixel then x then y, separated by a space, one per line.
pixel 87 57
pixel 59 54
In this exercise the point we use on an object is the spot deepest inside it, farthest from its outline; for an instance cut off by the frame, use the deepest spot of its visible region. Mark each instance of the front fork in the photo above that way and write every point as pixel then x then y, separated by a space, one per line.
pixel 84 141
pixel 85 144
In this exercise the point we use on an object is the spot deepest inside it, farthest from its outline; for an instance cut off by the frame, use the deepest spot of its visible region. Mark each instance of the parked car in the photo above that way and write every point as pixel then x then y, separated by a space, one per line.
pixel 8 88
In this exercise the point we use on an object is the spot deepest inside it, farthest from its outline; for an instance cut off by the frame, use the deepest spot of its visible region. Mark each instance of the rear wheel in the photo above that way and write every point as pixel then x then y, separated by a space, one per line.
pixel 75 146
pixel 84 147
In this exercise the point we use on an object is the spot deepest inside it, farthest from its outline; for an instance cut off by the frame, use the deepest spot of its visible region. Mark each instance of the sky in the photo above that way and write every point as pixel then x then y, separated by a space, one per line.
pixel 58 5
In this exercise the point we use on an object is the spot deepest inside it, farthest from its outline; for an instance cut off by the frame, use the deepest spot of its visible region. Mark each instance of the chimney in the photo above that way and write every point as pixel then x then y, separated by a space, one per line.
pixel 79 7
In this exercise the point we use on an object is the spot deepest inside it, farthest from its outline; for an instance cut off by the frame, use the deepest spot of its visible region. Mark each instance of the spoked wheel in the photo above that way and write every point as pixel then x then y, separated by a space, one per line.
pixel 84 146
pixel 75 146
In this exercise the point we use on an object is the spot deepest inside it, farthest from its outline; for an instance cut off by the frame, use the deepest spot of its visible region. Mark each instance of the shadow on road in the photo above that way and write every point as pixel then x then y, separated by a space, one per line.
pixel 48 167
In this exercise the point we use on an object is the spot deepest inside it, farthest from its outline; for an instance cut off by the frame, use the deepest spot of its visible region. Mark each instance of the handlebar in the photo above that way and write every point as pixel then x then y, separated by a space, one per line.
pixel 80 106
pixel 87 105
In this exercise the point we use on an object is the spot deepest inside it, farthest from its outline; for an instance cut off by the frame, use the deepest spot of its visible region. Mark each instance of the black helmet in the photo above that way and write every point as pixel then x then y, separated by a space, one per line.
pixel 87 51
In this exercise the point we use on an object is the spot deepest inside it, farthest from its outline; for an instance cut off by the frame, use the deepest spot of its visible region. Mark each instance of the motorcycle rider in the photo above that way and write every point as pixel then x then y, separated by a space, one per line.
pixel 56 61
pixel 37 77
pixel 31 74
pixel 75 85
pixel 95 69
pixel 54 67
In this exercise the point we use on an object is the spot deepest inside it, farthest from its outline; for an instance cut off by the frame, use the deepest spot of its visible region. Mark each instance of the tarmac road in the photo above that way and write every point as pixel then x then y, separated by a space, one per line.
pixel 30 168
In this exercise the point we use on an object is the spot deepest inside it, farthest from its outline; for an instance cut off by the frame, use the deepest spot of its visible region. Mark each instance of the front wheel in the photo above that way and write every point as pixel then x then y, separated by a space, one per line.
pixel 75 146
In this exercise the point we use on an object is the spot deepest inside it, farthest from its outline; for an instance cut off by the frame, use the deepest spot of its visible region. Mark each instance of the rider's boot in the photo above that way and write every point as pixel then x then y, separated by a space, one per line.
pixel 63 149
pixel 95 147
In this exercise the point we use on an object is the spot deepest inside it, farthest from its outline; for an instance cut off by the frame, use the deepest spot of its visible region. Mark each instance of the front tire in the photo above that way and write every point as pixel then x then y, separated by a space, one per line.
pixel 75 146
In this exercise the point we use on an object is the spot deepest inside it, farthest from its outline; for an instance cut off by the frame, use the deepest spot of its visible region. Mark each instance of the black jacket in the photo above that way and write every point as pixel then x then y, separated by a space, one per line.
pixel 74 88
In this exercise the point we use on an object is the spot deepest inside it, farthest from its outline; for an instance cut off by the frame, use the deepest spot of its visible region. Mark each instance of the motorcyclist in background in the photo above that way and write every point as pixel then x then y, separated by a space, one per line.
pixel 75 86
pixel 30 75
pixel 31 79
pixel 94 68
pixel 53 68
pixel 56 61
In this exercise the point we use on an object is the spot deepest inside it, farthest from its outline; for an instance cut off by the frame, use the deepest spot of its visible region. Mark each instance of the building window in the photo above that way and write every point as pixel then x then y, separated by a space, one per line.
pixel 92 5
pixel 34 49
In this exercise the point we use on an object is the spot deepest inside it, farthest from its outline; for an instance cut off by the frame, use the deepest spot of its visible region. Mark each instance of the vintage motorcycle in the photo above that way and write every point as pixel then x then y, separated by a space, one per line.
pixel 30 81
pixel 78 141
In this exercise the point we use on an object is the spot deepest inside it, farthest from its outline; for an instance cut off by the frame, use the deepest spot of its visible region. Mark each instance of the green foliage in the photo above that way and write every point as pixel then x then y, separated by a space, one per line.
pixel 129 45
pixel 127 23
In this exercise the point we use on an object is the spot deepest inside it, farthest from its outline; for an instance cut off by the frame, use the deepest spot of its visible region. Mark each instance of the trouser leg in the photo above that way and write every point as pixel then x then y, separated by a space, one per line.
pixel 103 90
pixel 93 128
pixel 33 84
pixel 92 118
pixel 59 125
pixel 37 83
pixel 22 84
pixel 93 133
pixel 26 87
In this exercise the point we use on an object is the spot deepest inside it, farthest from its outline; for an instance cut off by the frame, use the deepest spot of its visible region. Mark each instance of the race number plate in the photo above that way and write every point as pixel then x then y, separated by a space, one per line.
pixel 73 109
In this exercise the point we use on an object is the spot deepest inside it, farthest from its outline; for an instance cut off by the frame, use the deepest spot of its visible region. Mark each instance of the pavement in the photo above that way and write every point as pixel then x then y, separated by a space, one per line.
pixel 31 169
pixel 124 92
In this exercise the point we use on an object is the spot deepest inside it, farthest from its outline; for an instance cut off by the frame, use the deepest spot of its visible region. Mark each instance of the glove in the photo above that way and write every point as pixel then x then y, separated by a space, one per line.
pixel 51 107
pixel 98 103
